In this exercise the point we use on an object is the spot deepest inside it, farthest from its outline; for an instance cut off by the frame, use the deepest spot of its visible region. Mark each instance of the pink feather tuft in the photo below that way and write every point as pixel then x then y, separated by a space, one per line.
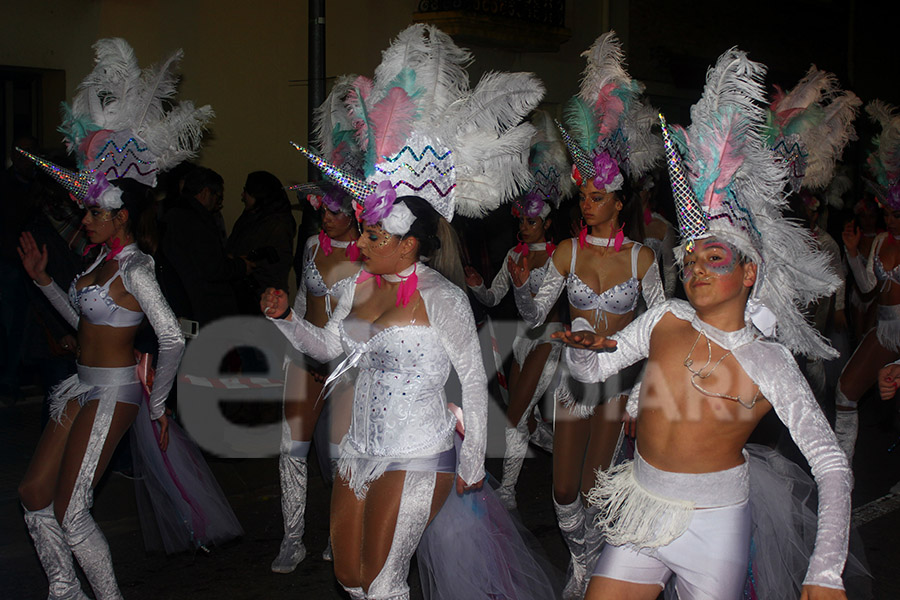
pixel 609 109
pixel 392 122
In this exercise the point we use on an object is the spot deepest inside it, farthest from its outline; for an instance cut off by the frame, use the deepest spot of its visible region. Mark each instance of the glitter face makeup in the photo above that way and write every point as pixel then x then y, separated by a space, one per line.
pixel 714 257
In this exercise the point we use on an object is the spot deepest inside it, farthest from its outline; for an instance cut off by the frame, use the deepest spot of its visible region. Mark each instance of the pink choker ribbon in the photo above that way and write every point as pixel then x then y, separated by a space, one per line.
pixel 405 291
pixel 325 243
pixel 352 251
pixel 582 235
pixel 115 247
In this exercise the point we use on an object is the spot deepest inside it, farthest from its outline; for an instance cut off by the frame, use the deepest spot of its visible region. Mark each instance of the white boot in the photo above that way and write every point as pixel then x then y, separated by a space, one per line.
pixel 571 523
pixel 54 554
pixel 293 472
pixel 516 448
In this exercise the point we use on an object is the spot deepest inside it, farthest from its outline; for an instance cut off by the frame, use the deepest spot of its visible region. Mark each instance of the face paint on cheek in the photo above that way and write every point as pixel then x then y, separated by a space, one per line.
pixel 726 263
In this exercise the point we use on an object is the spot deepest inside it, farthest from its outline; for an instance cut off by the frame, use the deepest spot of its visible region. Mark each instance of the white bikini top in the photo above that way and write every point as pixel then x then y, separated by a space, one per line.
pixel 620 299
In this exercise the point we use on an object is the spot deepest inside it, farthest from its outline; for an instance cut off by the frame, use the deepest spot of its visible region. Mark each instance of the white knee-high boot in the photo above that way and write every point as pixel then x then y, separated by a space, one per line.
pixel 54 554
pixel 412 517
pixel 81 532
pixel 293 471
pixel 516 449
pixel 571 523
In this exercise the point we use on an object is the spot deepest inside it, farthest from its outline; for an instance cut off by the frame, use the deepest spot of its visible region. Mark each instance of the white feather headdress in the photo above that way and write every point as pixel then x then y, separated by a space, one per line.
pixel 549 165
pixel 884 160
pixel 608 117
pixel 122 122
pixel 423 132
pixel 809 126
pixel 727 186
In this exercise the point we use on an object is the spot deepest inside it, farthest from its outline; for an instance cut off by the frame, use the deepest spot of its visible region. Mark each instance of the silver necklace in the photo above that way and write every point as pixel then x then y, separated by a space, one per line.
pixel 699 374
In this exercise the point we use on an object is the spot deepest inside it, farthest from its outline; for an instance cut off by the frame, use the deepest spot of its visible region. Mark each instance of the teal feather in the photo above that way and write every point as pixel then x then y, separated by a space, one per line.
pixel 370 157
pixel 406 79
pixel 581 123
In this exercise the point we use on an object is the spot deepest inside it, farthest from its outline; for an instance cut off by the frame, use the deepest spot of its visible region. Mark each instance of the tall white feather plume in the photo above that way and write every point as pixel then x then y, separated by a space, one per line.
pixel 609 115
pixel 810 125
pixel 145 131
pixel 731 170
pixel 884 161
pixel 422 128
pixel 605 65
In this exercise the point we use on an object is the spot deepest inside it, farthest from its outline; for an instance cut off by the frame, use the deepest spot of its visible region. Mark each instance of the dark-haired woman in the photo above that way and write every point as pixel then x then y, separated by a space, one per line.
pixel 404 325
pixel 535 357
pixel 264 233
pixel 92 410
pixel 329 262
pixel 603 272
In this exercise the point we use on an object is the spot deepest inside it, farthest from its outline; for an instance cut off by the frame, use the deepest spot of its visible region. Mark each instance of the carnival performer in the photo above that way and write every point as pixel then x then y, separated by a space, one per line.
pixel 807 127
pixel 880 269
pixel 603 273
pixel 329 262
pixel 402 323
pixel 716 365
pixel 535 358
pixel 868 217
pixel 120 130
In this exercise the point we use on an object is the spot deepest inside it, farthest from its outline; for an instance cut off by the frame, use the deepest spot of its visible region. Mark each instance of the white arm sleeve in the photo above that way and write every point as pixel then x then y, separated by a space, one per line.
pixel 499 286
pixel 60 301
pixel 632 344
pixel 651 286
pixel 534 310
pixel 139 279
pixel 773 368
pixel 450 314
pixel 320 343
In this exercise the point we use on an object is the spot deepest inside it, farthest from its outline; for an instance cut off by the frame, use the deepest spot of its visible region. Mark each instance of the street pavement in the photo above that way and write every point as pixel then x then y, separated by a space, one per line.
pixel 240 569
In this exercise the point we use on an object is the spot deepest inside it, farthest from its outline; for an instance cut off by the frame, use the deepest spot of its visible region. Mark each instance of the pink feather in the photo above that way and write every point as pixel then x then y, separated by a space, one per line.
pixel 609 108
pixel 392 122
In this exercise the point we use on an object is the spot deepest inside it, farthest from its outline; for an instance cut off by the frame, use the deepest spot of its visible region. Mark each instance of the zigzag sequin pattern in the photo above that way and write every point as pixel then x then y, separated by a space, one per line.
pixel 412 153
pixel 417 173
pixel 126 153
pixel 428 182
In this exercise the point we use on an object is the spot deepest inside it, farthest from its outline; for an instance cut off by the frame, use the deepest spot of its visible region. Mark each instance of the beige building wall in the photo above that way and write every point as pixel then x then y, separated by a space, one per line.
pixel 249 61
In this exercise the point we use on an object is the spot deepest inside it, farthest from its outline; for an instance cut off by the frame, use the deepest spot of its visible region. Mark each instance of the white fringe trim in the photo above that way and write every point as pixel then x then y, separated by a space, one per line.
pixel 359 472
pixel 67 389
pixel 888 332
pixel 629 514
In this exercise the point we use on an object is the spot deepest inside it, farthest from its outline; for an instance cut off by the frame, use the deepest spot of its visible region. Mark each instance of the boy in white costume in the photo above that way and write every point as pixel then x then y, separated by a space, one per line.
pixel 715 367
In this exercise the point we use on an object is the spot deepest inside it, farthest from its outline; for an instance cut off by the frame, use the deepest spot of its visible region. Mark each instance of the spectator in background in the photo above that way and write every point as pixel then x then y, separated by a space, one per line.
pixel 264 233
pixel 15 208
pixel 192 245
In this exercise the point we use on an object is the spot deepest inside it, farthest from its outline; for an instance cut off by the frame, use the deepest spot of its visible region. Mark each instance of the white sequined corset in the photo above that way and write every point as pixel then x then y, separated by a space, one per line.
pixel 393 418
pixel 399 406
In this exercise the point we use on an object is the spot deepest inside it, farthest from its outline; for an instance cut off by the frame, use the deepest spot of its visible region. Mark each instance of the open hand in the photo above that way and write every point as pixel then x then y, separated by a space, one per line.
pixel 584 339
pixel 274 303
pixel 473 278
pixel 164 430
pixel 518 273
pixel 888 381
pixel 34 260
pixel 851 236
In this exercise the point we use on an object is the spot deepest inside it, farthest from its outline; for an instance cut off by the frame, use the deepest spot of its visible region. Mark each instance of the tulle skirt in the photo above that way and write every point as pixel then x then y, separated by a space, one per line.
pixel 474 548
pixel 180 504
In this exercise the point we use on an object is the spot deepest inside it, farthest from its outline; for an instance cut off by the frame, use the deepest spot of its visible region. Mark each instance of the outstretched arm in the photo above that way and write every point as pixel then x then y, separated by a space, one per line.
pixel 321 343
pixel 773 368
